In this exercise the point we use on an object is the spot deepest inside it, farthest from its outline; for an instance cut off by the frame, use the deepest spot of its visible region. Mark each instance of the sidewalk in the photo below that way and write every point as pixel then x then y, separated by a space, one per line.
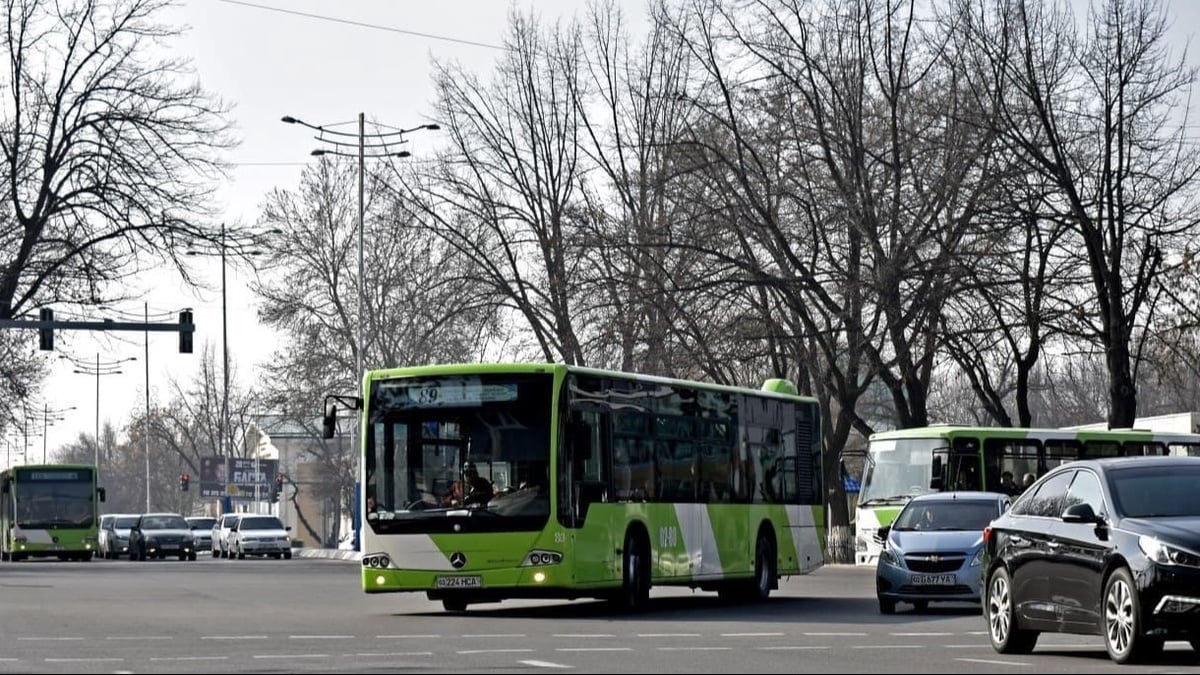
pixel 327 553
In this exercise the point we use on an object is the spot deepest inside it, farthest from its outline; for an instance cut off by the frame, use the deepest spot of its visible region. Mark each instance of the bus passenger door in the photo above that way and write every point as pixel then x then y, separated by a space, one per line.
pixel 584 486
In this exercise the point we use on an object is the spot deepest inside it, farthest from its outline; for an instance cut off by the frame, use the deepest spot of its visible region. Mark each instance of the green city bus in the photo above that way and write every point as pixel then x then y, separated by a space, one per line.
pixel 596 484
pixel 907 462
pixel 49 510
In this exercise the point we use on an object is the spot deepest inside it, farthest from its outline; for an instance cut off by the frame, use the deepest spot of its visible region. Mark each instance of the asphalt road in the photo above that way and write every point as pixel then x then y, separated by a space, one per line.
pixel 310 615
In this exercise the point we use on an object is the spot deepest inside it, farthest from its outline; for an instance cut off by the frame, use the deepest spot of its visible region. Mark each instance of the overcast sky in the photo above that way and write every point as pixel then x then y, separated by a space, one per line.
pixel 323 61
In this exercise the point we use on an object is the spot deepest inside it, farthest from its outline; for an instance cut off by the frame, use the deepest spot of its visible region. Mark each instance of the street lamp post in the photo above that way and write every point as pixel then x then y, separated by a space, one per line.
pixel 98 369
pixel 224 430
pixel 382 143
pixel 48 415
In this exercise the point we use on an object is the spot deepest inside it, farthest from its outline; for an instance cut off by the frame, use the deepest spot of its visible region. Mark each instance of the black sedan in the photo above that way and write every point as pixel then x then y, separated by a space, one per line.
pixel 1105 546
pixel 157 535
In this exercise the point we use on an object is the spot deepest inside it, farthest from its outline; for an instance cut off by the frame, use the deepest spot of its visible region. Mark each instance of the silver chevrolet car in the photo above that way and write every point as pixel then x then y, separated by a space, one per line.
pixel 202 531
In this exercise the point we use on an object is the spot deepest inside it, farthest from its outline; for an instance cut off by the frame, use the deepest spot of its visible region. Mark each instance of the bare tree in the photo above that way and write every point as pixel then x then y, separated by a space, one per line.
pixel 506 194
pixel 1094 112
pixel 108 151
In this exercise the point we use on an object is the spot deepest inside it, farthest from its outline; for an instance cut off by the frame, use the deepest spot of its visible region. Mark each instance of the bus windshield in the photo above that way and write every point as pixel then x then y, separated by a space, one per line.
pixel 54 498
pixel 475 445
pixel 898 469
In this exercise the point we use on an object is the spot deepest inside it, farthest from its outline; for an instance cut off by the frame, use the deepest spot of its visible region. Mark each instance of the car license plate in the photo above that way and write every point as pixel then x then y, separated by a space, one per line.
pixel 933 579
pixel 460 582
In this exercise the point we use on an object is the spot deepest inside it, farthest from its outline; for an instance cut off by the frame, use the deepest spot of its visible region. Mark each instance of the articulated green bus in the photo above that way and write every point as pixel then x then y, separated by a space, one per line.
pixel 49 510
pixel 495 481
pixel 908 462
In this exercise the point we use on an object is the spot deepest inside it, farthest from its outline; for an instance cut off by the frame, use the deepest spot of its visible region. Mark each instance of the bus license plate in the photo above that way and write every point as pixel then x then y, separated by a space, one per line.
pixel 460 582
pixel 933 579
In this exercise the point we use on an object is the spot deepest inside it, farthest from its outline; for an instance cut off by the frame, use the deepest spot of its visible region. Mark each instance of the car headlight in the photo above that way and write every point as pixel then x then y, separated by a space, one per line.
pixel 889 557
pixel 1165 554
pixel 977 559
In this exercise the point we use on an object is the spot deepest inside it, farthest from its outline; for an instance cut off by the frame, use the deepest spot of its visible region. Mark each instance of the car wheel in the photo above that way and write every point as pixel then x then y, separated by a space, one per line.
pixel 454 604
pixel 1000 610
pixel 886 606
pixel 1123 621
pixel 287 555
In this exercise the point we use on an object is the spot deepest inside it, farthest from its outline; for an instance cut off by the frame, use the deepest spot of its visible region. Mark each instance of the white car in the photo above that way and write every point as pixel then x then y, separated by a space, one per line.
pixel 220 534
pixel 259 535
pixel 113 540
pixel 201 531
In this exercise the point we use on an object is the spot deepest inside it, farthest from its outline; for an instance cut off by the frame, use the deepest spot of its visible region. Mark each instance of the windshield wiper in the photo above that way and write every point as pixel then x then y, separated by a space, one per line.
pixel 886 500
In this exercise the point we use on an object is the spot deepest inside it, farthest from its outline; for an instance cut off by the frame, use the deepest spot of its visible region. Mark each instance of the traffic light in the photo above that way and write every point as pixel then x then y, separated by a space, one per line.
pixel 46 335
pixel 183 481
pixel 278 487
pixel 185 331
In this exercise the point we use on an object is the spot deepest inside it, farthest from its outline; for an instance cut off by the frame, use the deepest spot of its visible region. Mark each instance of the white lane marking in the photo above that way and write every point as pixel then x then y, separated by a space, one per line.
pixel 188 658
pixel 921 634
pixel 494 635
pixel 694 649
pixel 593 649
pixel 583 635
pixel 979 646
pixel 291 656
pixel 793 647
pixel 662 635
pixel 977 632
pixel 752 634
pixel 407 637
pixel 49 638
pixel 78 659
pixel 320 637
pixel 392 654
pixel 233 637
pixel 494 651
pixel 996 662
pixel 835 634
pixel 544 664
pixel 888 647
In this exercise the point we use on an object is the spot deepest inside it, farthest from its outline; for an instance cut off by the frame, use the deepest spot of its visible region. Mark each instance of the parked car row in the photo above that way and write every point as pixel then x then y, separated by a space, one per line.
pixel 1107 547
pixel 157 535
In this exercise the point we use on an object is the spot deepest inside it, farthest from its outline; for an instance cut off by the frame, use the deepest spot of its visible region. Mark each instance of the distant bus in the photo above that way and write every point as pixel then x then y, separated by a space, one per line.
pixel 49 510
pixel 495 481
pixel 908 462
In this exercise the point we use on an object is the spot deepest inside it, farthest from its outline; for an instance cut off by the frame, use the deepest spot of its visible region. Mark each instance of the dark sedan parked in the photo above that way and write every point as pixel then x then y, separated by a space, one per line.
pixel 1105 546
pixel 157 535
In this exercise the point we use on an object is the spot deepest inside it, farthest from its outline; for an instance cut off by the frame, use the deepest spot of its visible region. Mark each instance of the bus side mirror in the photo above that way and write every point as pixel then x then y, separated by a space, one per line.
pixel 100 493
pixel 329 422
pixel 579 435
pixel 935 482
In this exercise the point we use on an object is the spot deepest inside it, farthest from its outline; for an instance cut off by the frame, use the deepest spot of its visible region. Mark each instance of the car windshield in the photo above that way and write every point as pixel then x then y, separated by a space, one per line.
pixel 125 523
pixel 260 524
pixel 1159 491
pixel 164 523
pixel 958 514
pixel 202 522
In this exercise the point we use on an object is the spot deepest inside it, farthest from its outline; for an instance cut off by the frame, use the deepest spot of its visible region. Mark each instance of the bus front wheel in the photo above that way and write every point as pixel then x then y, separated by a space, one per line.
pixel 454 604
pixel 635 574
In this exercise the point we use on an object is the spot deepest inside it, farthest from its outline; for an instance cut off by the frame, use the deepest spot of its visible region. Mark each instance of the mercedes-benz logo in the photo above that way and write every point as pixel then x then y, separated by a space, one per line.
pixel 457 560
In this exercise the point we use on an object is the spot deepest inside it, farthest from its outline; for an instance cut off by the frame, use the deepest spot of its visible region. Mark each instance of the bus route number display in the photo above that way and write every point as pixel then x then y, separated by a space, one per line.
pixel 51 476
pixel 464 392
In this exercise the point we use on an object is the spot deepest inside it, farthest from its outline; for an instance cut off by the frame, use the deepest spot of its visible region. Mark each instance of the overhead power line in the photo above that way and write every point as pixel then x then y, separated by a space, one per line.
pixel 364 24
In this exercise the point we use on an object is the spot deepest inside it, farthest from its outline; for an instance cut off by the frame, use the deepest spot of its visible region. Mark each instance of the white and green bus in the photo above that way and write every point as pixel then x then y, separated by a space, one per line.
pixel 590 483
pixel 907 462
pixel 49 510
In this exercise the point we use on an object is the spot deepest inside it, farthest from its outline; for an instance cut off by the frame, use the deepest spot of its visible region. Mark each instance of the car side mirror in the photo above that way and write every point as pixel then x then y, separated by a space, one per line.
pixel 288 528
pixel 100 493
pixel 883 532
pixel 1080 513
